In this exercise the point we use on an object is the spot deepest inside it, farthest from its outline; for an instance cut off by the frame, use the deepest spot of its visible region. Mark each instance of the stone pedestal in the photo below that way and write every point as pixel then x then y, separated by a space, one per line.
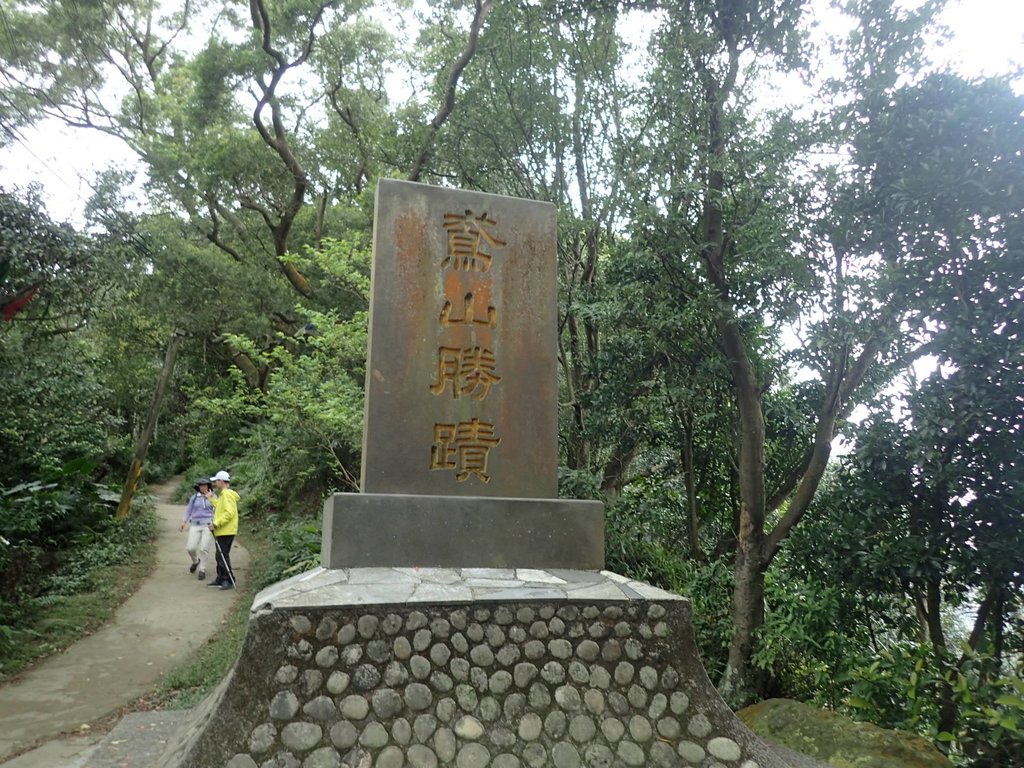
pixel 473 668
pixel 391 529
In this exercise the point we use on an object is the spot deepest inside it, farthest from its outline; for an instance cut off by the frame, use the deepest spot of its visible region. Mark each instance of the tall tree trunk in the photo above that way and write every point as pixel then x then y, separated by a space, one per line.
pixel 142 444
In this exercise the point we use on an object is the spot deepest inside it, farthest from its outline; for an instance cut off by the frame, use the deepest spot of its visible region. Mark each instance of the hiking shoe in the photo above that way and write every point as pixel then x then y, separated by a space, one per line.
pixel 227 585
pixel 214 583
pixel 192 568
pixel 202 576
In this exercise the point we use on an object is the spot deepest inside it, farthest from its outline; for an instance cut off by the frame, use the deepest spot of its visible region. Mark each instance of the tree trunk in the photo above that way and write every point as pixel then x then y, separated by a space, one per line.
pixel 142 444
pixel 739 682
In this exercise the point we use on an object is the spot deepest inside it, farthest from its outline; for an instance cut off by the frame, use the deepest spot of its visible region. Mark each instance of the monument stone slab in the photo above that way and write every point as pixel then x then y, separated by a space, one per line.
pixel 460 441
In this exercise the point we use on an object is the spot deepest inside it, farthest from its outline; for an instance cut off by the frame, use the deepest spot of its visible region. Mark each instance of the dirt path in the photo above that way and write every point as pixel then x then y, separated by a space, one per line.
pixel 170 615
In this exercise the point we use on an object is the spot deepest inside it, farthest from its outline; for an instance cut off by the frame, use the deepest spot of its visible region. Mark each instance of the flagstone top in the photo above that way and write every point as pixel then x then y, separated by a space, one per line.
pixel 386 586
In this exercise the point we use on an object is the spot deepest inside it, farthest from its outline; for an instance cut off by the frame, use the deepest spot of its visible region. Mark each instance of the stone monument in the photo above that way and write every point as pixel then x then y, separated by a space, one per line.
pixel 460 616
pixel 460 446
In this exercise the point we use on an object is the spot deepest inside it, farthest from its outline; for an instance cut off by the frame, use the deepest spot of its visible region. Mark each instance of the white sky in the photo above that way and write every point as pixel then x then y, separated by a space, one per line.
pixel 988 39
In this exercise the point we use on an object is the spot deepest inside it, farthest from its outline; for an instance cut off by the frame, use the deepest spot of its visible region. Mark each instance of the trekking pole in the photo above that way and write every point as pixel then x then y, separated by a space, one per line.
pixel 224 560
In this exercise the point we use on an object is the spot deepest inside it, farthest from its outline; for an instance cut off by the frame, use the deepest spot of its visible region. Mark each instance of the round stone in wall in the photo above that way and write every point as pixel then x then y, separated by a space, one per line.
pixel 262 738
pixel 320 708
pixel 582 729
pixel 691 752
pixel 640 729
pixel 557 626
pixel 560 649
pixel 418 697
pixel 327 656
pixel 444 744
pixel 535 755
pixel 446 709
pixel 415 621
pixel 337 682
pixel 598 756
pixel 530 727
pixel 420 667
pixel 503 615
pixel 565 755
pixel 354 707
pixel 475 632
pixel 508 655
pixel 283 706
pixel 301 736
pixel 482 655
pixel 301 624
pixel 506 760
pixel 422 639
pixel 386 703
pixel 325 757
pixel 402 648
pixel 440 628
pixel 473 756
pixel 390 757
pixel 594 700
pixel 379 650
pixel 600 677
pixel 669 679
pixel 469 728
pixel 374 736
pixel 624 672
pixel 344 734
pixel 699 726
pixel 392 624
pixel 241 761
pixel 724 749
pixel 634 650
pixel 420 756
pixel 458 619
pixel 490 709
pixel 668 727
pixel 365 677
pixel 630 753
pixel 439 654
pixel 659 703
pixel 568 698
pixel 555 724
pixel 553 672
pixel 495 636
pixel 395 675
pixel 286 674
pixel 588 650
pixel 662 756
pixel 679 703
pixel 524 673
pixel 441 682
pixel 612 728
pixel 346 634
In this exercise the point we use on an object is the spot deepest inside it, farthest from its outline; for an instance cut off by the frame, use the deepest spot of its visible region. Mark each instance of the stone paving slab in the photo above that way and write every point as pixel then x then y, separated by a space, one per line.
pixel 138 740
pixel 392 586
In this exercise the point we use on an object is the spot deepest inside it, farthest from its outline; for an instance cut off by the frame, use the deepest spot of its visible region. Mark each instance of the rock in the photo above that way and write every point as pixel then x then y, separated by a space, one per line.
pixel 837 740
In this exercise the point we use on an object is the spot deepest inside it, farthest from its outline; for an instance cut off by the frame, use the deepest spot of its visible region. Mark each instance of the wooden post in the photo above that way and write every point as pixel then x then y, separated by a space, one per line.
pixel 142 444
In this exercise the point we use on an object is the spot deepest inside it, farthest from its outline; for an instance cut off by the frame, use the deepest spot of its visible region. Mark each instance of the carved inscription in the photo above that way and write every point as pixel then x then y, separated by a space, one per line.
pixel 463 446
pixel 467 371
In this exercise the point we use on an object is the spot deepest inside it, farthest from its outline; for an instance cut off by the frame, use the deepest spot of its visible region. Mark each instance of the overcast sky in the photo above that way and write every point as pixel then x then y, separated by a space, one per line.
pixel 988 39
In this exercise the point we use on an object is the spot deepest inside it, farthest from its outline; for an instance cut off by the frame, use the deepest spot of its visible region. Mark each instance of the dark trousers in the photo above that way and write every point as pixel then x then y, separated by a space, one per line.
pixel 222 544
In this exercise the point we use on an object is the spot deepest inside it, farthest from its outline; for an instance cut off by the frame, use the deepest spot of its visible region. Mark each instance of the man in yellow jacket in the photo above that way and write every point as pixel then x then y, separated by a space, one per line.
pixel 224 527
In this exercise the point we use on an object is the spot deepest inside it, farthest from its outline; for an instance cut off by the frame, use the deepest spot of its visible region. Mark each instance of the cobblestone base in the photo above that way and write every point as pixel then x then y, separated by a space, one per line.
pixel 486 668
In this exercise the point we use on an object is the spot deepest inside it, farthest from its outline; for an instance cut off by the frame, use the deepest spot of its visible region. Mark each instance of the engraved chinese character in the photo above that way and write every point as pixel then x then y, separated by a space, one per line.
pixel 449 364
pixel 442 451
pixel 470 241
pixel 477 372
pixel 468 314
pixel 470 371
pixel 474 440
pixel 471 441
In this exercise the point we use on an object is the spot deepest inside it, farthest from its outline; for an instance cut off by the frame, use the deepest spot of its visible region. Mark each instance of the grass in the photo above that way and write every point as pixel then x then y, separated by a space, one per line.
pixel 187 685
pixel 56 620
